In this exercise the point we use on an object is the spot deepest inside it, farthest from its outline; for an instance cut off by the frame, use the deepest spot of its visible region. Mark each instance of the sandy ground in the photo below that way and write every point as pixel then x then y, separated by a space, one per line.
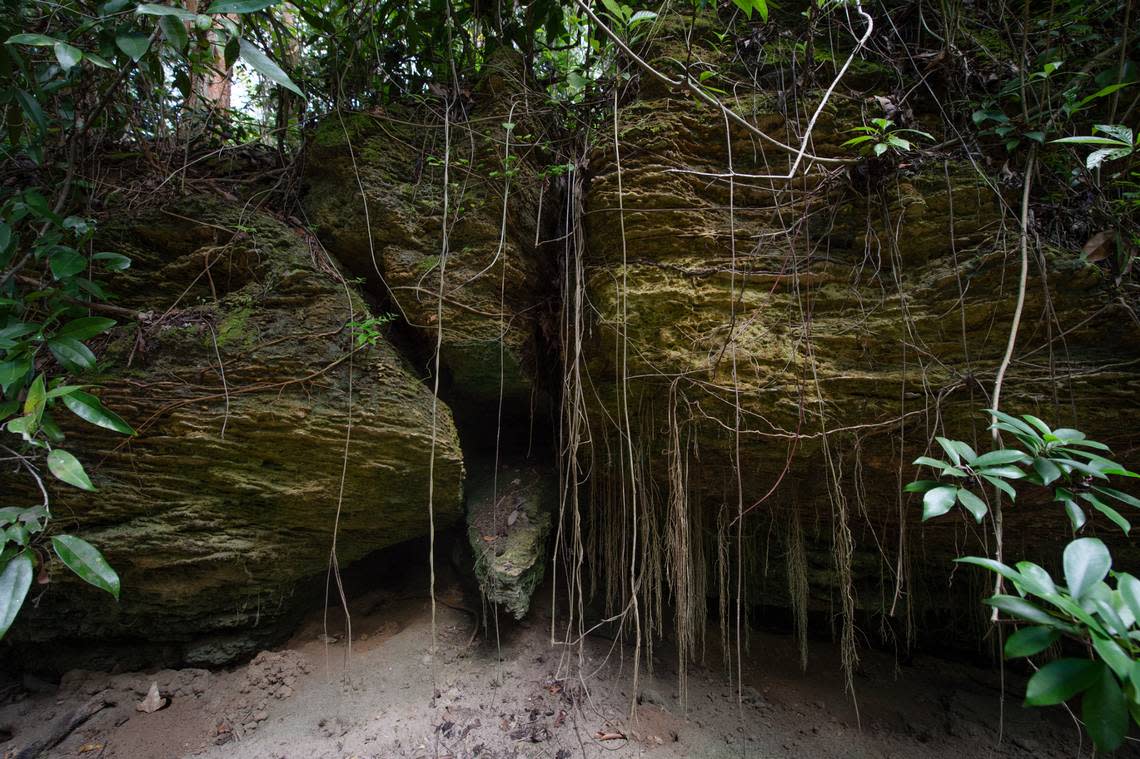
pixel 517 698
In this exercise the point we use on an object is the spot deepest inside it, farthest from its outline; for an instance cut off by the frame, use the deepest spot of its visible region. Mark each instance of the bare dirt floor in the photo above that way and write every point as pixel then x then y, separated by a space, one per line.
pixel 523 697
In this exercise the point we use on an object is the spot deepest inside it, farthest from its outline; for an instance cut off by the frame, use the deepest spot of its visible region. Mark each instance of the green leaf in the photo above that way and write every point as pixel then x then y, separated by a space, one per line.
pixel 133 44
pixel 90 409
pixel 115 261
pixel 996 458
pixel 67 468
pixel 14 583
pixel 1118 495
pixel 1001 485
pixel 938 501
pixel 174 30
pixel 973 504
pixel 1022 609
pixel 265 66
pixel 1007 471
pixel 1005 571
pixel 1046 470
pixel 71 353
pixel 921 486
pixel 99 61
pixel 1129 588
pixel 1115 516
pixel 1086 562
pixel 1013 422
pixel 1035 579
pixel 36 397
pixel 1113 655
pixel 37 40
pixel 1104 712
pixel 933 463
pixel 232 51
pixel 240 6
pixel 85 327
pixel 66 262
pixel 153 9
pixel 33 110
pixel 1029 641
pixel 84 560
pixel 67 55
pixel 1060 680
pixel 12 372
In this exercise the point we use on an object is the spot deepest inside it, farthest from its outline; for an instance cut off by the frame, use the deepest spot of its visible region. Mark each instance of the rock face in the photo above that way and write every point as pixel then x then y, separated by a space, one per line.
pixel 819 332
pixel 240 381
pixel 375 191
pixel 508 526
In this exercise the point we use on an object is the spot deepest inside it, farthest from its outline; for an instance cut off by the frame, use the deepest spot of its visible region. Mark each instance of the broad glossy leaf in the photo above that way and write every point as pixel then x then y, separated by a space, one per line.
pixel 67 468
pixel 265 66
pixel 938 501
pixel 85 327
pixel 71 353
pixel 1035 579
pixel 1086 562
pixel 1008 472
pixel 240 6
pixel 90 409
pixel 1046 469
pixel 1105 713
pixel 1012 421
pixel 1005 571
pixel 67 55
pixel 1060 680
pixel 946 467
pixel 113 261
pixel 84 560
pixel 174 30
pixel 973 504
pixel 154 9
pixel 133 44
pixel 1129 588
pixel 12 372
pixel 1118 495
pixel 1029 641
pixel 36 397
pixel 996 458
pixel 1001 485
pixel 37 40
pixel 921 486
pixel 1113 655
pixel 66 262
pixel 1040 425
pixel 1022 609
pixel 14 583
pixel 1115 516
pixel 1112 620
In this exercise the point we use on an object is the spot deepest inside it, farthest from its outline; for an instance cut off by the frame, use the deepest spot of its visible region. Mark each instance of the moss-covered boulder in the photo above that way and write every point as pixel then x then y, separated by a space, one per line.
pixel 264 442
pixel 508 527
pixel 814 335
pixel 375 193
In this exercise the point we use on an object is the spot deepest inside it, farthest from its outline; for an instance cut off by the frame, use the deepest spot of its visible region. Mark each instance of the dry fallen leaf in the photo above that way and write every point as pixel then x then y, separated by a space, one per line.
pixel 87 748
pixel 1099 246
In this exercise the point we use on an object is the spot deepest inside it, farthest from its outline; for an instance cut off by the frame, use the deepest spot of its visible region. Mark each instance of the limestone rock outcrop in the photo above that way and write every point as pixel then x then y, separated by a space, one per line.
pixel 241 380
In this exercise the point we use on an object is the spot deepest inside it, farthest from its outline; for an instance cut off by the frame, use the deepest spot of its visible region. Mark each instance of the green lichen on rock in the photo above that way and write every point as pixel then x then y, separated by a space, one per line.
pixel 508 524
pixel 240 381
